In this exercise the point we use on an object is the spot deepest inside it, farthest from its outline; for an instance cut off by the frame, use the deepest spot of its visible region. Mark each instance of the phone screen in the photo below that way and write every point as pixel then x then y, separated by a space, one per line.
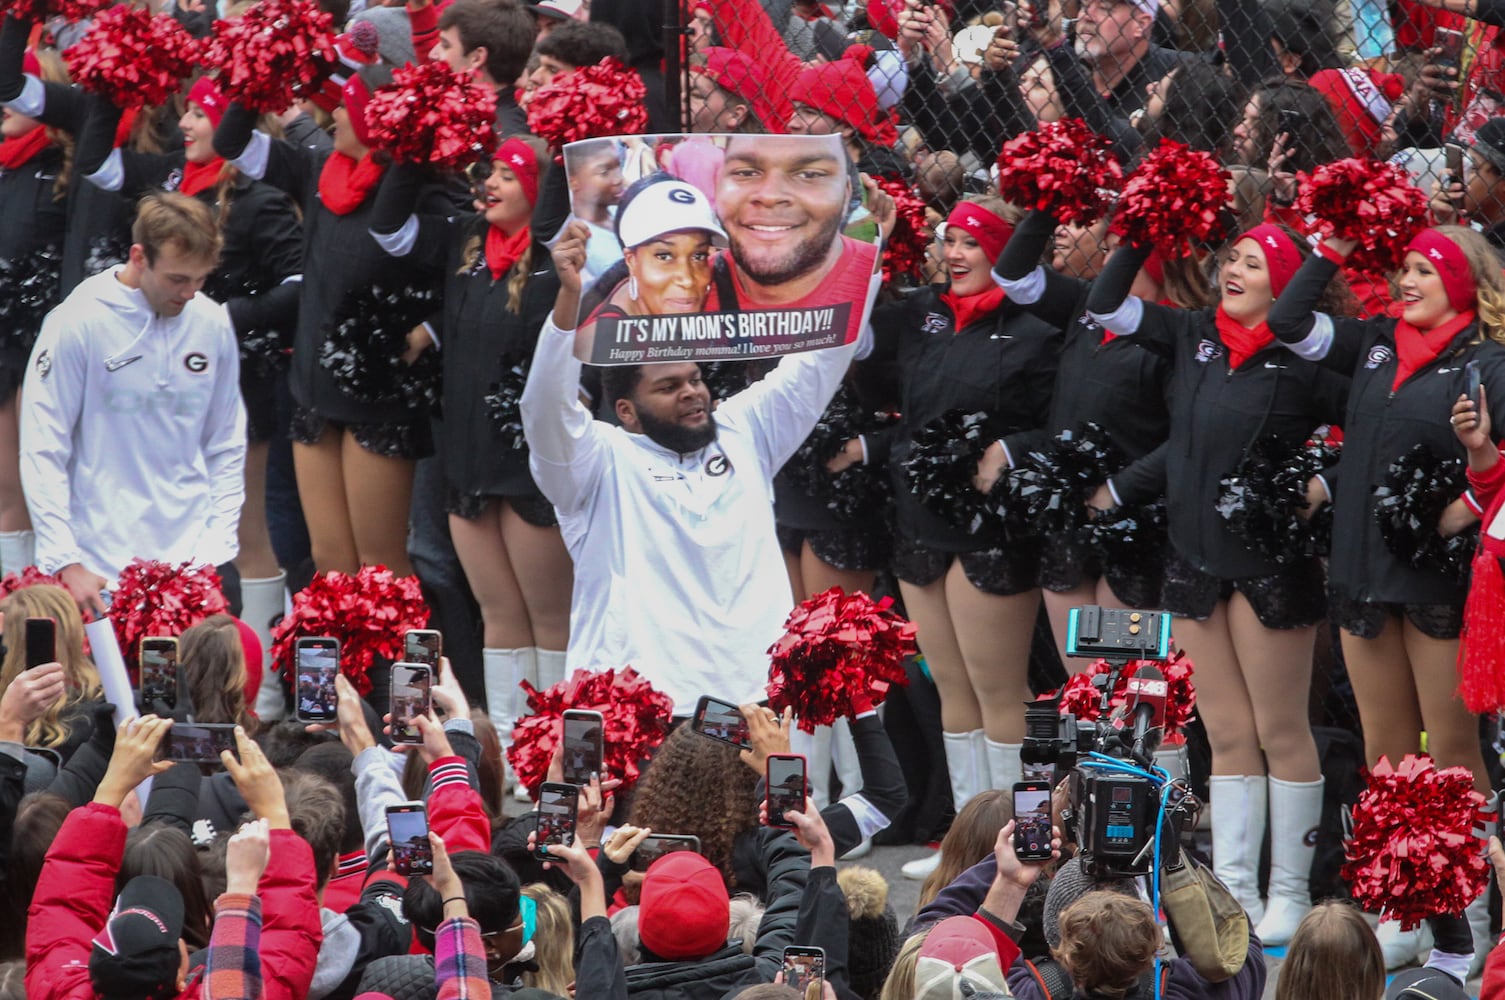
pixel 803 966
pixel 556 816
pixel 721 721
pixel 1032 821
pixel 422 645
pixel 41 641
pixel 159 673
pixel 408 827
pixel 582 747
pixel 197 742
pixel 654 847
pixel 318 666
pixel 411 697
pixel 786 788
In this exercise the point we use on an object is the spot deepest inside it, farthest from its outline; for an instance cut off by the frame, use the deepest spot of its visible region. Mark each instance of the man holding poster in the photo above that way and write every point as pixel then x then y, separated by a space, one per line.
pixel 669 517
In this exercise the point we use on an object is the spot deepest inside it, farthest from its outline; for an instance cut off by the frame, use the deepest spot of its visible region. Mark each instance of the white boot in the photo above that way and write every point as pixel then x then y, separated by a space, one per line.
pixel 1004 767
pixel 530 669
pixel 1238 829
pixel 1399 947
pixel 1295 815
pixel 18 550
pixel 967 767
pixel 816 749
pixel 262 600
pixel 504 670
pixel 550 670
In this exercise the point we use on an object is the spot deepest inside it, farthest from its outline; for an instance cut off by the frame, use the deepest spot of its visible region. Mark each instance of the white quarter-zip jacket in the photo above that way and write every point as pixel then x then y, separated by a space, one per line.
pixel 133 435
pixel 678 573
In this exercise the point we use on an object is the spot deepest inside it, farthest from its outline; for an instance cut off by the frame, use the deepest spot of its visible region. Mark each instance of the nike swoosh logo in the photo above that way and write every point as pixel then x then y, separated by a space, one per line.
pixel 115 364
pixel 1271 364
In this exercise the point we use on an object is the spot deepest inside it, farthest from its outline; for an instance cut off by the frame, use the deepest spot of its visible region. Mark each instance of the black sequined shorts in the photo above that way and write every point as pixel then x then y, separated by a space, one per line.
pixel 411 439
pixel 534 510
pixel 1002 572
pixel 1366 619
pixel 1065 564
pixel 258 390
pixel 852 549
pixel 1296 597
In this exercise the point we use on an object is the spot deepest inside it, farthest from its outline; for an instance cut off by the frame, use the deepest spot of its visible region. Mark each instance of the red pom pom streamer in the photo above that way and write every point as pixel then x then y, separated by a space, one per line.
pixel 131 58
pixel 1081 698
pixel 367 612
pixel 1174 195
pixel 28 577
pixel 430 114
pixel 1481 655
pixel 1369 201
pixel 42 11
pixel 839 655
pixel 590 103
pixel 160 599
pixel 636 720
pixel 1414 852
pixel 274 48
pixel 904 253
pixel 1063 168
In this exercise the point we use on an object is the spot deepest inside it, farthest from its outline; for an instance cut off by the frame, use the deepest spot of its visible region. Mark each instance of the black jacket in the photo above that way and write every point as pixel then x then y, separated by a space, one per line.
pixel 1217 413
pixel 1382 425
pixel 1003 364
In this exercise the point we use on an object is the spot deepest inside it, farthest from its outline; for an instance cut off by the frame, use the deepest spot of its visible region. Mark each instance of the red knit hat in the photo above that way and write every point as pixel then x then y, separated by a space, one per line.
pixel 207 95
pixel 842 90
pixel 1361 101
pixel 733 71
pixel 683 910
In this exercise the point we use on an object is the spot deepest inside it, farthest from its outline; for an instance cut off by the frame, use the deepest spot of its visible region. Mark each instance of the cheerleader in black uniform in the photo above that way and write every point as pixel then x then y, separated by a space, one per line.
pixel 33 206
pixel 258 279
pixel 358 426
pixel 1248 621
pixel 1400 621
pixel 974 596
pixel 499 285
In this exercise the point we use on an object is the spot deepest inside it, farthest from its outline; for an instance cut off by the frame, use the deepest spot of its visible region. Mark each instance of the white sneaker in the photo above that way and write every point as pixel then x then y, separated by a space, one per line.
pixel 862 850
pixel 1400 948
pixel 920 868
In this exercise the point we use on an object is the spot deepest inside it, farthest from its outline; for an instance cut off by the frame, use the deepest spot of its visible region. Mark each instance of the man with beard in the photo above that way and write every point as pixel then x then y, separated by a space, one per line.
pixel 669 517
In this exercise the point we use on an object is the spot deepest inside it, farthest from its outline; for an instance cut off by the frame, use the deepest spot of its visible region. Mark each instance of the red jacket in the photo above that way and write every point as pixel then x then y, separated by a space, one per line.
pixel 76 891
pixel 1493 986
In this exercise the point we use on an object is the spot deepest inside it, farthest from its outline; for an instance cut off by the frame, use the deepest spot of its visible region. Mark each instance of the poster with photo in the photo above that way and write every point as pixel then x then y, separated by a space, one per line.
pixel 719 247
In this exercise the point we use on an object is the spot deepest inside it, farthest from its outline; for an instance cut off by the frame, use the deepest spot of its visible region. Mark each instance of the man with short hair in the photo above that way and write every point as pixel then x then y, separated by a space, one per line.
pixel 489 39
pixel 730 93
pixel 575 44
pixel 1113 39
pixel 133 435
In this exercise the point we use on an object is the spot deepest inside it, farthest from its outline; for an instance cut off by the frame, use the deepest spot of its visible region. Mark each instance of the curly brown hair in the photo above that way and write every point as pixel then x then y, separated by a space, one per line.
pixel 1107 942
pixel 700 787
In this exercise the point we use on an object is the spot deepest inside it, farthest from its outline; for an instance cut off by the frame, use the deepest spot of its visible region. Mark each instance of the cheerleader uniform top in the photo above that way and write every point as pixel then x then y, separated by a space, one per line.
pixel 480 340
pixel 1216 412
pixel 1383 422
pixel 32 220
pixel 1002 363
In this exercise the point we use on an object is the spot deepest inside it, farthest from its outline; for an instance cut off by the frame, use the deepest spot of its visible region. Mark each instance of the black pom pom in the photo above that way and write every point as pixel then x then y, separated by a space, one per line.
pixel 1263 498
pixel 366 341
pixel 30 287
pixel 856 490
pixel 1049 488
pixel 940 467
pixel 1418 488
pixel 263 351
pixel 504 404
pixel 1129 535
pixel 725 379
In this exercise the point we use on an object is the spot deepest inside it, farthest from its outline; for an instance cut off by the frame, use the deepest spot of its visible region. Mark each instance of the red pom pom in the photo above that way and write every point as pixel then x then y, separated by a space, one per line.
pixel 42 11
pixel 430 114
pixel 131 58
pixel 1414 852
pixel 1174 195
pixel 636 720
pixel 904 253
pixel 1063 168
pixel 268 52
pixel 159 599
pixel 840 654
pixel 1369 201
pixel 590 103
pixel 1081 698
pixel 368 612
pixel 28 577
pixel 1481 656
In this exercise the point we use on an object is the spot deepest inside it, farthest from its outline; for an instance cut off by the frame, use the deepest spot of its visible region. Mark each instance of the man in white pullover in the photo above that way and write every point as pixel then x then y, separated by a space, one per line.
pixel 669 518
pixel 133 436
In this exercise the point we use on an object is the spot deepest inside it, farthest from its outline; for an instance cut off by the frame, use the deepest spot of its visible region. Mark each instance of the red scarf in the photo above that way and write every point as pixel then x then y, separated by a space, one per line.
pixel 1418 348
pixel 502 251
pixel 198 176
pixel 1243 342
pixel 344 183
pixel 969 308
pixel 15 152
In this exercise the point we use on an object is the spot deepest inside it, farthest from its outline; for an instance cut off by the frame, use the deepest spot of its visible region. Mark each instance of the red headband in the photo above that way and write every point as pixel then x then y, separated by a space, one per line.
pixel 990 232
pixel 523 162
pixel 1282 257
pixel 1451 264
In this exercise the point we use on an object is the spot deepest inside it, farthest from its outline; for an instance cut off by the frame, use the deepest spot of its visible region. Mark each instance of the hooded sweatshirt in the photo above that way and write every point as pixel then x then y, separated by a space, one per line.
pixel 133 435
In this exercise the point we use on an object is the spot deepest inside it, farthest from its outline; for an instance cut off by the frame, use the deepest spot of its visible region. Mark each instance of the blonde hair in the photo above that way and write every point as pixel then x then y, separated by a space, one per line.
pixel 900 982
pixel 553 942
pixel 1489 282
pixel 1333 955
pixel 470 256
pixel 82 680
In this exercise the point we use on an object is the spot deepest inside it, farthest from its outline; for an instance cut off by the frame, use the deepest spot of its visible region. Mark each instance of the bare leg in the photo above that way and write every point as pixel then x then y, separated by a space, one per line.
pixel 1452 730
pixel 819 576
pixel 545 576
pixel 379 492
pixel 1385 689
pixel 256 560
pixel 796 583
pixel 1222 698
pixel 488 568
pixel 13 513
pixel 927 608
pixel 994 634
pixel 1277 671
pixel 321 489
pixel 1057 607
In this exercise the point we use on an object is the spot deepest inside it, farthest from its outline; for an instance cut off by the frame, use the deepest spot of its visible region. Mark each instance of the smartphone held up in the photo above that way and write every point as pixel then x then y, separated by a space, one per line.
pixel 318 664
pixel 408 831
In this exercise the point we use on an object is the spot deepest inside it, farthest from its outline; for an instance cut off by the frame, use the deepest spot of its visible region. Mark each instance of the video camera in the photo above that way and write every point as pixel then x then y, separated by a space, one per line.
pixel 1114 790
